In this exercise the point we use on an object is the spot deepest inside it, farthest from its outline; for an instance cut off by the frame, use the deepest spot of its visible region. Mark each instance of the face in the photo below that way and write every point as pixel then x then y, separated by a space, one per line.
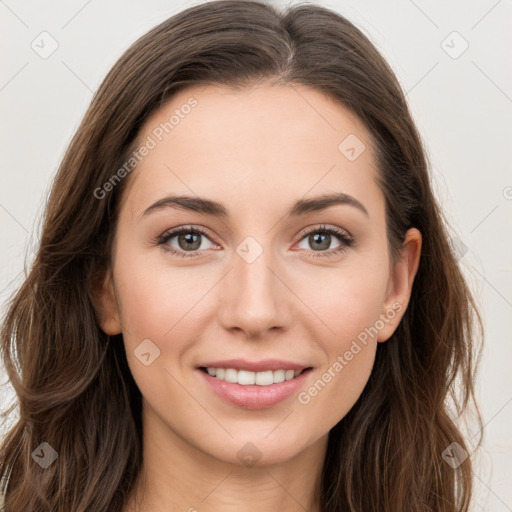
pixel 264 275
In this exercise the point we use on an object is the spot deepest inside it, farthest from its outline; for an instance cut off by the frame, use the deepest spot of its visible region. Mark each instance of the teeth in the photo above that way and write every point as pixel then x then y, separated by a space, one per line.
pixel 247 378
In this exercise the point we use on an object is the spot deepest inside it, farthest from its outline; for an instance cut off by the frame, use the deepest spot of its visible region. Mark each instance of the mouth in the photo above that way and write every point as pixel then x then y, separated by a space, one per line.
pixel 250 378
pixel 248 389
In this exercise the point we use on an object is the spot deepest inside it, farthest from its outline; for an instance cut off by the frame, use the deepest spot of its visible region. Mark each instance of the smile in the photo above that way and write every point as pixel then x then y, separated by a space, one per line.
pixel 248 378
pixel 254 390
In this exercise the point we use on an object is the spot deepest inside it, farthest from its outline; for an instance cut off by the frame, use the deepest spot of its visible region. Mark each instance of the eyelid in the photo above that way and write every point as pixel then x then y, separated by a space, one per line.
pixel 324 227
pixel 185 228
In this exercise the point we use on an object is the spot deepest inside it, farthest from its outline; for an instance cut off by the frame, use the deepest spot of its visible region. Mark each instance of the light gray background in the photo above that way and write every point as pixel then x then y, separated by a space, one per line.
pixel 462 106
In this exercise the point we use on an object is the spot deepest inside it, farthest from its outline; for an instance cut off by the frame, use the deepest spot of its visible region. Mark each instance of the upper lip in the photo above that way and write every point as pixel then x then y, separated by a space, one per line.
pixel 255 366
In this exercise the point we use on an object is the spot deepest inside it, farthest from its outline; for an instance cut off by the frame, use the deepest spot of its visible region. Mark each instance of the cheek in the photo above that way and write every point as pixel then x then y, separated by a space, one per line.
pixel 349 304
pixel 157 308
pixel 165 306
pixel 337 386
pixel 347 300
pixel 156 299
pixel 349 356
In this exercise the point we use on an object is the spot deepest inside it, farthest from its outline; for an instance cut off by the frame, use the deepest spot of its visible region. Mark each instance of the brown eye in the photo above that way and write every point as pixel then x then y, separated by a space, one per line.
pixel 319 240
pixel 188 242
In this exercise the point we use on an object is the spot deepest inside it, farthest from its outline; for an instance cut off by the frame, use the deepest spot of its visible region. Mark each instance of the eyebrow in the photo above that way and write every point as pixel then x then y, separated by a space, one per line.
pixel 216 209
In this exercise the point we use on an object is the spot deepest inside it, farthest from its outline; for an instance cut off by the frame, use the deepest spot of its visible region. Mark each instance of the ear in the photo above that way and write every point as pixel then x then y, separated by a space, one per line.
pixel 400 284
pixel 105 303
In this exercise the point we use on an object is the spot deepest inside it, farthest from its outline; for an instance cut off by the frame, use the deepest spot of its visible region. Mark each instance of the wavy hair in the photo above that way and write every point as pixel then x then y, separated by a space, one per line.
pixel 73 385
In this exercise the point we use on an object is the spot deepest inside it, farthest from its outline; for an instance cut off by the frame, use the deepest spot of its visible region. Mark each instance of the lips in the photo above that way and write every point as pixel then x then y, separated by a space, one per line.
pixel 255 396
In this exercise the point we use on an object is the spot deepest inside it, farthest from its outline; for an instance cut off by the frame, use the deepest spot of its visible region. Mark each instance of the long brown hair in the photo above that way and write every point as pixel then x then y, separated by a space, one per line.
pixel 73 384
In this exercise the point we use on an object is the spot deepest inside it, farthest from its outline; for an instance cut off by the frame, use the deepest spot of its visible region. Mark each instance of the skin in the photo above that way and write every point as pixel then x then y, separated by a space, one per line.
pixel 256 150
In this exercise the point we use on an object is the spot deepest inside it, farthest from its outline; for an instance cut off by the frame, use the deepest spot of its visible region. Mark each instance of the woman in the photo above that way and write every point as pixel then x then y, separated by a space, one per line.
pixel 180 342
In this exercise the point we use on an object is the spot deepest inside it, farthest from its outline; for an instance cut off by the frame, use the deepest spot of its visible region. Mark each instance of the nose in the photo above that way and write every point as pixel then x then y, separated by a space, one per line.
pixel 254 299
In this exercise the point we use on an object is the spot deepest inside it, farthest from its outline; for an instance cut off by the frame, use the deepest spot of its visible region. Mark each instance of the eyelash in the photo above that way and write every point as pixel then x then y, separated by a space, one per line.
pixel 346 240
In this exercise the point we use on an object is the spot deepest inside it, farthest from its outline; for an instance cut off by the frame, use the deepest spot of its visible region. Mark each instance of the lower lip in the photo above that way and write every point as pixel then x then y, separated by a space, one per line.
pixel 253 396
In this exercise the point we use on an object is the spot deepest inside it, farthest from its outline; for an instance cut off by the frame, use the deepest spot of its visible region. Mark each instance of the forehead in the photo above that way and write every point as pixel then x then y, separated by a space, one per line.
pixel 259 143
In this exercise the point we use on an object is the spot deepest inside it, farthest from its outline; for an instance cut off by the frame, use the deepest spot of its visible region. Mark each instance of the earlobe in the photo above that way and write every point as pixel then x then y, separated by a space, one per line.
pixel 400 283
pixel 106 305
